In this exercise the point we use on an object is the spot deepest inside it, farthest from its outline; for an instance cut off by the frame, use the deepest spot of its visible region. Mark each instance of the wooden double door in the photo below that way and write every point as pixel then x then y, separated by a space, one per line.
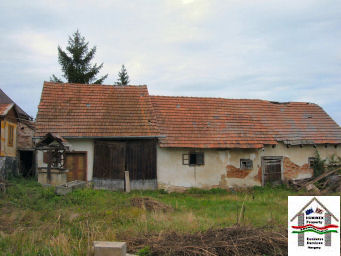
pixel 138 157
pixel 77 166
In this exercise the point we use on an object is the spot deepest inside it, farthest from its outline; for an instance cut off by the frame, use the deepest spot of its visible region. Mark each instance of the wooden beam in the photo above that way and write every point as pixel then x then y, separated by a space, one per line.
pixel 326 174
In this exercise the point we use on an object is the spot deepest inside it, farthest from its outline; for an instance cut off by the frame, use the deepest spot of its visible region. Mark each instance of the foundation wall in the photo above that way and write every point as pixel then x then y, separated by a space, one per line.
pixel 119 184
pixel 8 166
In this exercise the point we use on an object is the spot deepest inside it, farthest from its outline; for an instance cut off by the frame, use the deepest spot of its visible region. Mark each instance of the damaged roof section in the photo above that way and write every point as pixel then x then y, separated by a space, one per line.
pixel 238 123
pixel 80 110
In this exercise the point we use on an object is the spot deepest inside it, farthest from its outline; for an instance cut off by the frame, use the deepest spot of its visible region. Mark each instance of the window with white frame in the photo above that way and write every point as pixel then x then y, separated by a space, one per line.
pixel 246 164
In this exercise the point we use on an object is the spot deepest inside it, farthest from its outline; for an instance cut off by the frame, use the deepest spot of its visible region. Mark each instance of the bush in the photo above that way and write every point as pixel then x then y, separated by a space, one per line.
pixel 144 252
pixel 318 164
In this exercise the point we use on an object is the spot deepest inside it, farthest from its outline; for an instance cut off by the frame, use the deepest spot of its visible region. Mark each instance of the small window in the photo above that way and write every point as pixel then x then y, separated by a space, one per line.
pixel 10 135
pixel 246 164
pixel 311 162
pixel 193 158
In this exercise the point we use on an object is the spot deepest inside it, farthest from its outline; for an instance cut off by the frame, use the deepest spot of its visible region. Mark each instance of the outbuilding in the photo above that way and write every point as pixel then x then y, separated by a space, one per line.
pixel 181 142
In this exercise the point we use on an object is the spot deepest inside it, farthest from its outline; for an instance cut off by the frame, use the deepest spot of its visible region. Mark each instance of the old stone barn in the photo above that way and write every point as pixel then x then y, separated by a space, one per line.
pixel 181 142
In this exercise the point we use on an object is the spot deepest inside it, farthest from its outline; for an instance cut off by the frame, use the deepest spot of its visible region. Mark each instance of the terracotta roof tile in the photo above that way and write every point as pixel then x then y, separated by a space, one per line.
pixel 4 108
pixel 77 110
pixel 230 123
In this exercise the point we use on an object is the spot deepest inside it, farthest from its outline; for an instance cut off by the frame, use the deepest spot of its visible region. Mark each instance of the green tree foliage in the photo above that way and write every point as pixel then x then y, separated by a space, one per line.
pixel 123 78
pixel 319 164
pixel 76 66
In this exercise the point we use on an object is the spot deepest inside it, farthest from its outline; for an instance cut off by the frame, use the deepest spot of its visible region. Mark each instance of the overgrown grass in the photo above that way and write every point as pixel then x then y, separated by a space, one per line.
pixel 35 221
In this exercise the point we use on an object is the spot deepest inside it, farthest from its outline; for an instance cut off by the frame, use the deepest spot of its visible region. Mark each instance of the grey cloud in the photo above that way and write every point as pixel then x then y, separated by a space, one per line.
pixel 276 50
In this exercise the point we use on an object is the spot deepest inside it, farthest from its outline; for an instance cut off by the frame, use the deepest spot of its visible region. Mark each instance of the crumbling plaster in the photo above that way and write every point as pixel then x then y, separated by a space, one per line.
pixel 222 166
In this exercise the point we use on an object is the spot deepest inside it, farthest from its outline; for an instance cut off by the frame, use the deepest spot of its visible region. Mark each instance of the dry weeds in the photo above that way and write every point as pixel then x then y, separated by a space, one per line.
pixel 237 241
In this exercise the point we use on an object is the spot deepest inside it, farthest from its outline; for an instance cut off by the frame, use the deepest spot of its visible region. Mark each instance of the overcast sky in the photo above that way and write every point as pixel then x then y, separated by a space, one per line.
pixel 280 50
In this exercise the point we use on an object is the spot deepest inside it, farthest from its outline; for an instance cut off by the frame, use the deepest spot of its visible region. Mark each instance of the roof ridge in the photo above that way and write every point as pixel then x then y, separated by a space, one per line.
pixel 111 85
pixel 236 99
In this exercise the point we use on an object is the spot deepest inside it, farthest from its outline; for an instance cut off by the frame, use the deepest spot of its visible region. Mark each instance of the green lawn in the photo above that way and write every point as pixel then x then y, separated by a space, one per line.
pixel 35 221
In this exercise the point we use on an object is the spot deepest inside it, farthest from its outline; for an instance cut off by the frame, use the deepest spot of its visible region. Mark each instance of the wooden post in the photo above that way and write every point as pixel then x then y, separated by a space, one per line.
pixel 127 181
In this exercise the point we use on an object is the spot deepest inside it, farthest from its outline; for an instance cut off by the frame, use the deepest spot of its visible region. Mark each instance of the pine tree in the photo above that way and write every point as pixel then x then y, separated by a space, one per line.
pixel 123 78
pixel 76 66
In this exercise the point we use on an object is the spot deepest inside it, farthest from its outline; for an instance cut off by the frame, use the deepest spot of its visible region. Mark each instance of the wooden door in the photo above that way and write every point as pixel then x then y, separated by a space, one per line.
pixel 272 170
pixel 109 160
pixel 76 164
pixel 112 158
pixel 141 159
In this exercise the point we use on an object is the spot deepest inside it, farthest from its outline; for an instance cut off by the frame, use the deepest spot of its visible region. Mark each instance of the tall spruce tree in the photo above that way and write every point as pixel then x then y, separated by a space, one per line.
pixel 76 66
pixel 123 78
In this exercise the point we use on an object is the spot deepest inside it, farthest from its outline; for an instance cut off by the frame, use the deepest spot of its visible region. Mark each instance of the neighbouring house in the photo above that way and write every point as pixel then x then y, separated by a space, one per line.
pixel 181 142
pixel 8 142
pixel 16 124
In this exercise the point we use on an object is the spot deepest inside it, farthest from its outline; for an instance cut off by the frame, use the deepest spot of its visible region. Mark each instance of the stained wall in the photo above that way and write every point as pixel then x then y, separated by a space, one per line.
pixel 222 166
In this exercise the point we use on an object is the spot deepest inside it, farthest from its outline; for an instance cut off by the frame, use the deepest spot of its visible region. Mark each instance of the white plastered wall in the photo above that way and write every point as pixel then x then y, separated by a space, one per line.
pixel 172 174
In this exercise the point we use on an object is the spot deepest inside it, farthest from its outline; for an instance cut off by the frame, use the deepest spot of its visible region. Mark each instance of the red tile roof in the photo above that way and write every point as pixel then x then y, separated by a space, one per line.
pixel 232 123
pixel 4 108
pixel 78 110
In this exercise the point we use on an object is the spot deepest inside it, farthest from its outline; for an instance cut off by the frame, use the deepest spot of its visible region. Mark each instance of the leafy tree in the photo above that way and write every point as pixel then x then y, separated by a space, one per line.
pixel 123 78
pixel 76 66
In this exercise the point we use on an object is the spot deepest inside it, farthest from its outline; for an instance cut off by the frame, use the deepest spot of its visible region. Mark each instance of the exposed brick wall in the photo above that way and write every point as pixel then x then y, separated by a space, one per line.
pixel 293 171
pixel 24 136
pixel 234 172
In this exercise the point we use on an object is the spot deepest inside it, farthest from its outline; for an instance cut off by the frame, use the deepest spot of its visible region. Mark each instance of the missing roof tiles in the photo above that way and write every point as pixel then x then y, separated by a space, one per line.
pixel 279 103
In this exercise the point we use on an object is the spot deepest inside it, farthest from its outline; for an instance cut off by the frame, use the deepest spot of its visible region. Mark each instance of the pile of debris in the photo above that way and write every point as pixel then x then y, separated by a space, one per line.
pixel 227 241
pixel 329 181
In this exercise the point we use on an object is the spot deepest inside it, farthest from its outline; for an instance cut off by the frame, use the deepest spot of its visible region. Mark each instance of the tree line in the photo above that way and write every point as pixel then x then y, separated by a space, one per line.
pixel 76 65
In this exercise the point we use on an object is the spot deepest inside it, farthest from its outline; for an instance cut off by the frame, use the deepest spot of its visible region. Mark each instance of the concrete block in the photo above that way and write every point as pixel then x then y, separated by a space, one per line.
pixel 69 187
pixel 62 190
pixel 102 248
